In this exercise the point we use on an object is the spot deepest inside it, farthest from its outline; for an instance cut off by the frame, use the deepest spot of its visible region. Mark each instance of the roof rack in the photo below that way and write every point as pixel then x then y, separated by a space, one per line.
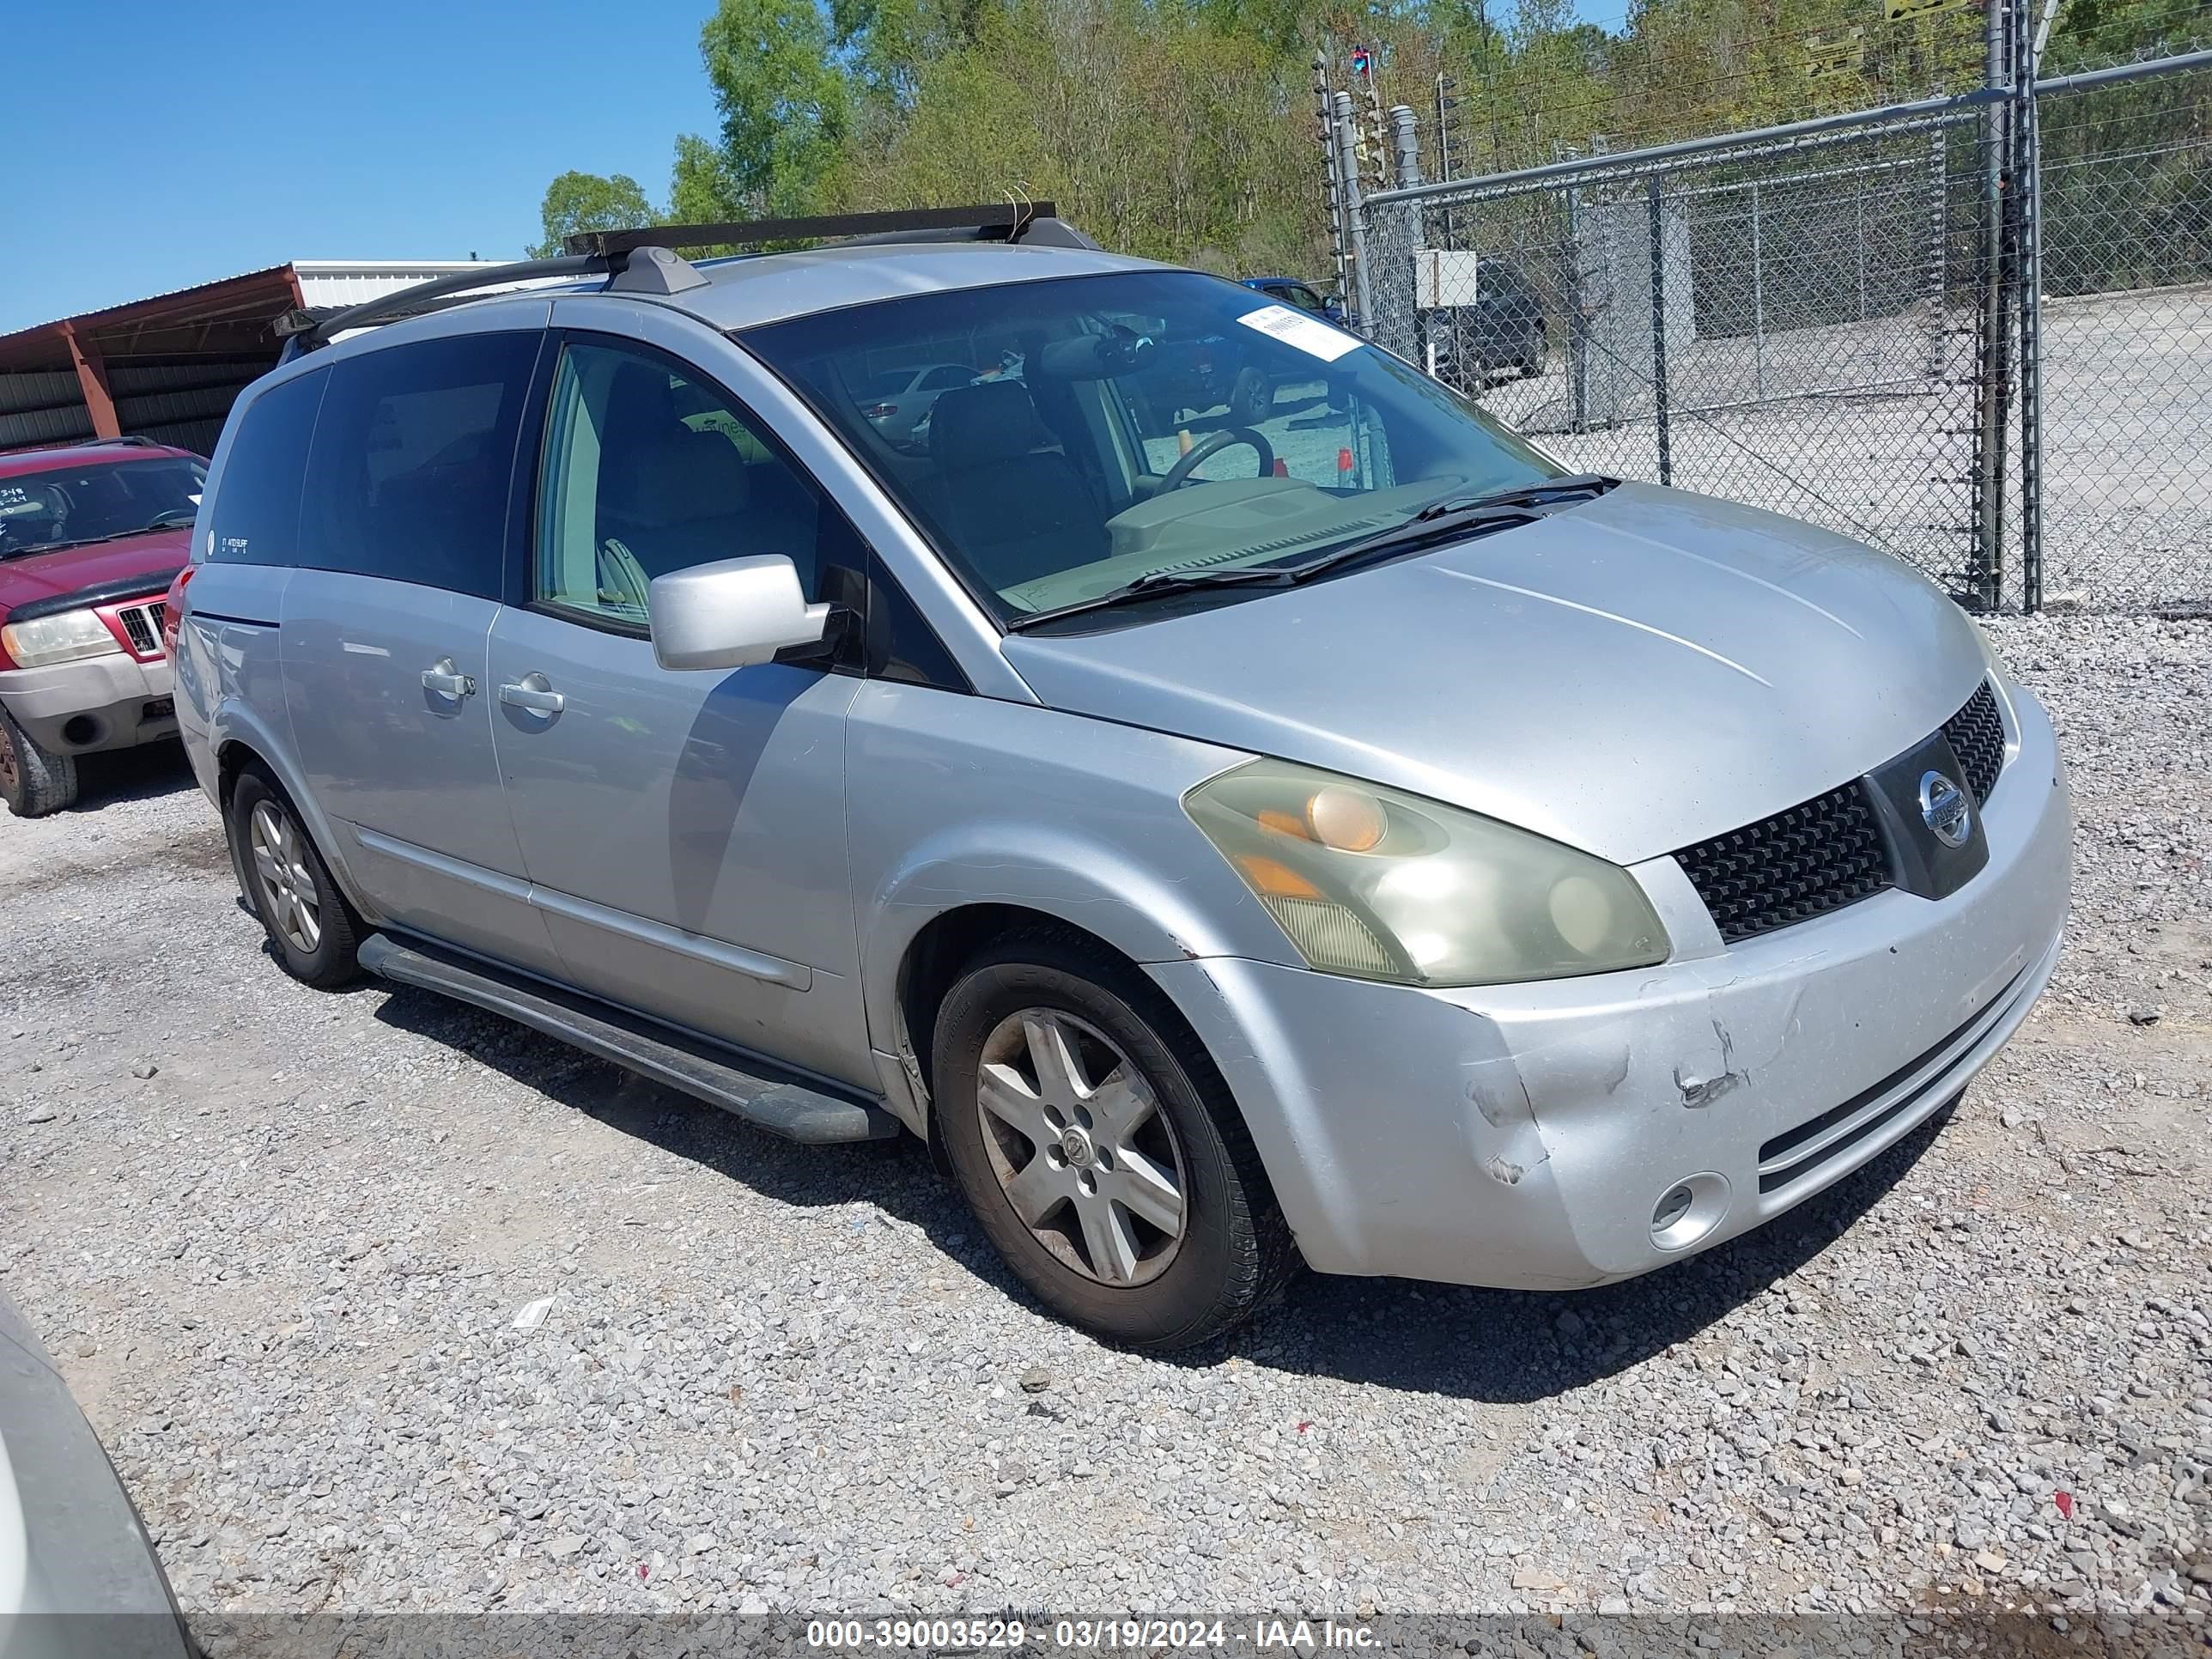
pixel 644 261
pixel 998 222
pixel 304 331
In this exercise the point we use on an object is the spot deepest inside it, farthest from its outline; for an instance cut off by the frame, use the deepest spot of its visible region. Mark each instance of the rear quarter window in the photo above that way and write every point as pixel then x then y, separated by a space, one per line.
pixel 414 450
pixel 256 511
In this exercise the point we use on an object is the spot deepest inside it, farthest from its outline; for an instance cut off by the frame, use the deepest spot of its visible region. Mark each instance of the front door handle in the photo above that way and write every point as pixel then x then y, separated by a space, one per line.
pixel 533 692
pixel 447 681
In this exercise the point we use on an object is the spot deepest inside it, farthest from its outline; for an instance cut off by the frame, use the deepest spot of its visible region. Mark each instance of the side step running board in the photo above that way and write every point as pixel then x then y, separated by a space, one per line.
pixel 783 1108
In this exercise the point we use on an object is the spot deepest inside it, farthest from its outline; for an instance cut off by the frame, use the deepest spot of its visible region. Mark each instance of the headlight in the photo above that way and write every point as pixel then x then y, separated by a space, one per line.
pixel 65 638
pixel 1380 884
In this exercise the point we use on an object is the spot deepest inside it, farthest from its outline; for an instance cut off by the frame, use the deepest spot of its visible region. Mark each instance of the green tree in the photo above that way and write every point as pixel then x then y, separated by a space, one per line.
pixel 890 43
pixel 700 189
pixel 586 201
pixel 787 108
pixel 1183 129
pixel 1157 131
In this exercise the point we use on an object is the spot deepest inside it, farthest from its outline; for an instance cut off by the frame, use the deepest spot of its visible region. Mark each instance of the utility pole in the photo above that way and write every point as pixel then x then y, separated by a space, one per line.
pixel 1404 148
pixel 1347 131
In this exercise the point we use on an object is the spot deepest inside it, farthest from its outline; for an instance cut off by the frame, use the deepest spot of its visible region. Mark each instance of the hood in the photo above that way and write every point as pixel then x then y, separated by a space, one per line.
pixel 1630 675
pixel 44 575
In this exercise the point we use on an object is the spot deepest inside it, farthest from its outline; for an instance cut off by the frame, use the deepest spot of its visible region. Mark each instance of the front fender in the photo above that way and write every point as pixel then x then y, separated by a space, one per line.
pixel 1146 910
pixel 971 801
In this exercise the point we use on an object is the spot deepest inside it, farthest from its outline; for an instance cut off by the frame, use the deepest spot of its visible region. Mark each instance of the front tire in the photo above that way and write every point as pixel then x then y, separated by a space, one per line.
pixel 1099 1147
pixel 33 780
pixel 312 929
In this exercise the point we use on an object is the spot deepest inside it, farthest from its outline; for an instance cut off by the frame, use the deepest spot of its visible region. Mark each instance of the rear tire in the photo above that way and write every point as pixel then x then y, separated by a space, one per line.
pixel 34 782
pixel 1199 1243
pixel 312 929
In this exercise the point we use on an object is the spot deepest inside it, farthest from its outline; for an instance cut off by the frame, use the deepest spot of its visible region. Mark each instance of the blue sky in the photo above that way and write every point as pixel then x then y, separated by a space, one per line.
pixel 161 145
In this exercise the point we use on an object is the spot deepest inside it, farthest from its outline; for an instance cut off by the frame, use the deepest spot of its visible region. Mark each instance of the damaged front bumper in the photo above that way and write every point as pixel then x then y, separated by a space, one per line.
pixel 1579 1131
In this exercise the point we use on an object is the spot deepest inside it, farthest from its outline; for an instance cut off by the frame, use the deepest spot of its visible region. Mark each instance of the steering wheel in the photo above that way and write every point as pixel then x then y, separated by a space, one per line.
pixel 1179 474
pixel 174 515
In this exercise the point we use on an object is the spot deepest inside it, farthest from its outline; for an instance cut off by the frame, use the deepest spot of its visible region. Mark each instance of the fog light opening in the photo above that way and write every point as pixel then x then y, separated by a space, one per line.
pixel 1689 1210
pixel 80 730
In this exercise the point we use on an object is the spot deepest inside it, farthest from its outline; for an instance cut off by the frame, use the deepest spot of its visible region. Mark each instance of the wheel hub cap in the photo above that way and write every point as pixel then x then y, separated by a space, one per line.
pixel 1087 1160
pixel 286 889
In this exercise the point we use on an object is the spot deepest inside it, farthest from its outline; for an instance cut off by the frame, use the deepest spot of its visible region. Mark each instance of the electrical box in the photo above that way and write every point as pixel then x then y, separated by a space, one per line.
pixel 1444 277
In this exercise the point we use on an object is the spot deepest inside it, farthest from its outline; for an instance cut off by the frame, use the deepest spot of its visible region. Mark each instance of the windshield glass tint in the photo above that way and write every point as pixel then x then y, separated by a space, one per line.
pixel 1115 427
pixel 42 511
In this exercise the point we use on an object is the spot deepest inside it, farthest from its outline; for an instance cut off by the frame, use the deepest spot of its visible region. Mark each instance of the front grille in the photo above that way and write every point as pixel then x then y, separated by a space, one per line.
pixel 141 626
pixel 1978 738
pixel 1816 857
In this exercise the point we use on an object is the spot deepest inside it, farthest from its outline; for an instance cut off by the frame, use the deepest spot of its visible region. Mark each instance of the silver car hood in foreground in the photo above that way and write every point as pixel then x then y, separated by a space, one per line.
pixel 1630 675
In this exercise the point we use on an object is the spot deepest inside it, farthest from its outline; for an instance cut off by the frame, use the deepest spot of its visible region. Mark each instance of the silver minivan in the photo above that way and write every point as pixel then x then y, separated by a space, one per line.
pixel 1343 837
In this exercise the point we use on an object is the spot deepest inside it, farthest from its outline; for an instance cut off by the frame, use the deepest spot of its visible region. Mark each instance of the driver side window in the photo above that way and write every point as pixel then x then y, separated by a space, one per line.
pixel 647 469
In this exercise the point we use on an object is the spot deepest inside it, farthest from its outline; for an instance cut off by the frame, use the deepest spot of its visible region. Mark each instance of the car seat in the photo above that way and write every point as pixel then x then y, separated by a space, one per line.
pixel 1015 509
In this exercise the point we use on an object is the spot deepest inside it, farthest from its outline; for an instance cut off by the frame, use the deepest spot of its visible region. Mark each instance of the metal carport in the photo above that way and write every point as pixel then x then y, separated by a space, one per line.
pixel 169 367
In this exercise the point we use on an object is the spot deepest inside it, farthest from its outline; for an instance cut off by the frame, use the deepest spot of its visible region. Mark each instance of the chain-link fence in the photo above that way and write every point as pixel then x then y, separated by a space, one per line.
pixel 1842 320
pixel 2123 340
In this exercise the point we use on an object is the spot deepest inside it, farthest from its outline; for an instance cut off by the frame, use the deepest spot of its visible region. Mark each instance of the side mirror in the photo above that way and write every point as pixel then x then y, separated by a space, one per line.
pixel 731 613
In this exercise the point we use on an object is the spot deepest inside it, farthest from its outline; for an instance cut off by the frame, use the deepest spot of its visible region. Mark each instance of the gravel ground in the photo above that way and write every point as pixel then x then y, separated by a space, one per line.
pixel 279 1241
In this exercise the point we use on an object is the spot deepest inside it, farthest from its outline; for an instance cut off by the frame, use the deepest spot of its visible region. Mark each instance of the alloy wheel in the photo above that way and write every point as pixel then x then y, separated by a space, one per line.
pixel 286 886
pixel 10 776
pixel 1087 1159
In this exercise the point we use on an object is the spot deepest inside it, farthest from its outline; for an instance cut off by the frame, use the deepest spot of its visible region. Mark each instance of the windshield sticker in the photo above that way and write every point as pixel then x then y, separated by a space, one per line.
pixel 1308 334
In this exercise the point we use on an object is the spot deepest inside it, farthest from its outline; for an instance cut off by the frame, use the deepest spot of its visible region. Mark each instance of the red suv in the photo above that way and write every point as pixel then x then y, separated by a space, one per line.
pixel 90 538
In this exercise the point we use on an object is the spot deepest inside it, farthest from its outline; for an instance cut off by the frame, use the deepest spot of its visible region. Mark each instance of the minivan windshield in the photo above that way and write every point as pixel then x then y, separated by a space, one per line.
pixel 1124 428
pixel 67 506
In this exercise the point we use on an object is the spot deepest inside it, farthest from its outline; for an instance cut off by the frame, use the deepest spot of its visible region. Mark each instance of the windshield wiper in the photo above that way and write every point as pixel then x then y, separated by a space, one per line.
pixel 1444 520
pixel 1461 516
pixel 95 541
pixel 1572 487
pixel 1161 582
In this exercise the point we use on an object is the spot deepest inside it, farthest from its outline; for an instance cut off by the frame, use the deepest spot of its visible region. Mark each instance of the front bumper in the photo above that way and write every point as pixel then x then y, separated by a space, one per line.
pixel 113 702
pixel 1523 1135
